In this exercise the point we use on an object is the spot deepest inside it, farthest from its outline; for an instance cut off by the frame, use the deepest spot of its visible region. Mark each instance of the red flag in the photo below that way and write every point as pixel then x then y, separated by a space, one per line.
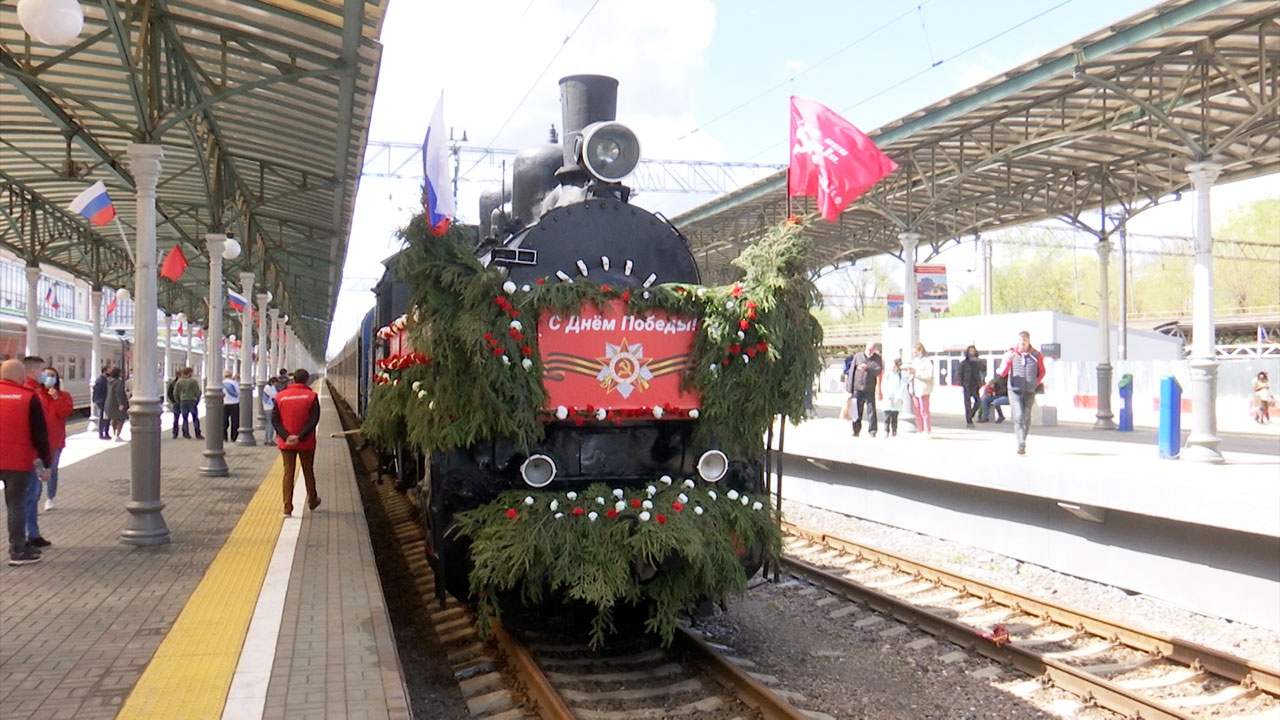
pixel 831 158
pixel 174 264
pixel 199 333
pixel 180 332
pixel 111 306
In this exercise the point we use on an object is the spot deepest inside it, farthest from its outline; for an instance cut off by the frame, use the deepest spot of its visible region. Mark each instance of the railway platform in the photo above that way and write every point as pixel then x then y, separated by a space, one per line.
pixel 245 614
pixel 1098 504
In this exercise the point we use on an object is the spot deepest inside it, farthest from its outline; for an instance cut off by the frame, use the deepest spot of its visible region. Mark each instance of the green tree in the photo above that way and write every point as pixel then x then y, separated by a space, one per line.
pixel 1246 268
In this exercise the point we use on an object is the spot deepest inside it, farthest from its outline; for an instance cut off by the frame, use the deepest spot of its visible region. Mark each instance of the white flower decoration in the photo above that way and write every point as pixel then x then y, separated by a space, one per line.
pixel 647 295
pixel 694 412
pixel 422 394
pixel 525 287
pixel 417 385
pixel 593 515
pixel 688 482
pixel 528 500
pixel 508 287
pixel 757 506
pixel 745 359
pixel 602 414
pixel 617 493
pixel 562 412
pixel 527 364
pixel 647 504
pixel 742 335
pixel 651 490
pixel 599 501
pixel 683 498
pixel 712 495
pixel 733 494
pixel 644 517
pixel 571 495
pixel 559 515
pixel 728 305
pixel 697 510
pixel 745 500
pixel 620 506
pixel 517 325
pixel 555 505
pixel 657 411
pixel 665 479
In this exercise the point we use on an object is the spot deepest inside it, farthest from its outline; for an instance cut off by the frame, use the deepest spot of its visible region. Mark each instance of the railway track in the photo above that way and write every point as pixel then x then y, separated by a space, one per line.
pixel 1129 671
pixel 543 675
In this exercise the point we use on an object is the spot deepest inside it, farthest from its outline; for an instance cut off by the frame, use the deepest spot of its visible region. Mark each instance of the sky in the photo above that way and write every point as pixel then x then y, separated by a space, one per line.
pixel 698 80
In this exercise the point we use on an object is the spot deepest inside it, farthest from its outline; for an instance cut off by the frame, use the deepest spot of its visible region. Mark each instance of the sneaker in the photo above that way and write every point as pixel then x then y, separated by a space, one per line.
pixel 32 549
pixel 48 504
pixel 199 436
pixel 26 558
pixel 1022 451
pixel 38 542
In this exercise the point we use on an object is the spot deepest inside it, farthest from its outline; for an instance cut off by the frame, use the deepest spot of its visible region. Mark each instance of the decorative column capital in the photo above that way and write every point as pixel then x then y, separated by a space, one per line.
pixel 246 280
pixel 145 163
pixel 1204 173
pixel 1104 248
pixel 217 243
pixel 909 239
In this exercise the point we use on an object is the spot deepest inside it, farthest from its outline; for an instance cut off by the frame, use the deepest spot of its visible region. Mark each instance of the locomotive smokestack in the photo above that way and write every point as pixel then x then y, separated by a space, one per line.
pixel 584 99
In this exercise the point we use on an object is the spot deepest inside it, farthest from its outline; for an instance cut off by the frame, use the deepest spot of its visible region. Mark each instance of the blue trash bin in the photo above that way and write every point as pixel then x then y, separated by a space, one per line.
pixel 1126 403
pixel 1169 438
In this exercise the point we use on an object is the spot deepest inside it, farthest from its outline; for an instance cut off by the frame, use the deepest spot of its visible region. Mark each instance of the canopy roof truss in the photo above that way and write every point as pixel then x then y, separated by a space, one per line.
pixel 1112 121
pixel 262 110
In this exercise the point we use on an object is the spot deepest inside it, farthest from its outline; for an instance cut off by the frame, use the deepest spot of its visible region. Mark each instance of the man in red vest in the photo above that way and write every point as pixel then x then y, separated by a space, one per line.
pixel 296 415
pixel 24 455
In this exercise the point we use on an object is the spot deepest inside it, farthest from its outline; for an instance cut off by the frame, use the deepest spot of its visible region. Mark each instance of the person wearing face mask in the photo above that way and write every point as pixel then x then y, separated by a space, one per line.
pixel 57 408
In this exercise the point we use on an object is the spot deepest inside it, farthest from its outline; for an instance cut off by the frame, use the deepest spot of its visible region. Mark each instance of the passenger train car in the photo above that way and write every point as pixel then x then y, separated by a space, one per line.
pixel 67 346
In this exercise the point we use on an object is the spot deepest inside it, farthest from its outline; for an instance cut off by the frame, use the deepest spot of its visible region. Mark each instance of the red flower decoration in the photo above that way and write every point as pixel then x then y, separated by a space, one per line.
pixel 635 503
pixel 611 512
pixel 743 324
pixel 751 305
pixel 734 349
pixel 736 291
pixel 626 296
pixel 511 513
pixel 762 346
pixel 577 511
pixel 751 352
pixel 678 506
pixel 488 337
pixel 604 288
pixel 497 352
pixel 499 301
pixel 751 314
pixel 513 314
pixel 662 519
pixel 541 281
pixel 526 350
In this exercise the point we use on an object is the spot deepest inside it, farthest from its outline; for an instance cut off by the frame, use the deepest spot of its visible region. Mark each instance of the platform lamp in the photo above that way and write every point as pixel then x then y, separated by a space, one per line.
pixel 52 22
pixel 220 247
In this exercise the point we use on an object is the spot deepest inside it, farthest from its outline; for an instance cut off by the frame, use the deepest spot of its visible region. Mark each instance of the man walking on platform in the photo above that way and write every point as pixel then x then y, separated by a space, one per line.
pixel 187 392
pixel 1025 369
pixel 24 455
pixel 100 404
pixel 296 415
pixel 864 372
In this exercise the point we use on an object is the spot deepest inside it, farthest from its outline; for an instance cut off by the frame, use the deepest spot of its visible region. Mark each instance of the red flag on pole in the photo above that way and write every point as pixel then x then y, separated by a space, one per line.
pixel 111 306
pixel 830 158
pixel 180 330
pixel 175 263
pixel 199 333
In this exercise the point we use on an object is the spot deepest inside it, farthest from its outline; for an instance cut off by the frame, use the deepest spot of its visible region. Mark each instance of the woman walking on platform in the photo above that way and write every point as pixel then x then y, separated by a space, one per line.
pixel 117 403
pixel 921 375
pixel 57 408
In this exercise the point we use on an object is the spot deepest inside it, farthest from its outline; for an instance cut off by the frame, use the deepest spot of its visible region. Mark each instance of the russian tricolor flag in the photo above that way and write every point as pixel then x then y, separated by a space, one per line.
pixel 435 168
pixel 237 301
pixel 94 204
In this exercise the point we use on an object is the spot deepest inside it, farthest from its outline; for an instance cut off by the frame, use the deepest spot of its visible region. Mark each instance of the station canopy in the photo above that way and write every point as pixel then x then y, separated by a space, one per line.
pixel 1110 121
pixel 262 112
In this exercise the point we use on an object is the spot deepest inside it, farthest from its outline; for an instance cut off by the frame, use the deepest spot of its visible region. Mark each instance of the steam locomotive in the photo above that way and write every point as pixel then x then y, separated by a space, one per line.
pixel 615 409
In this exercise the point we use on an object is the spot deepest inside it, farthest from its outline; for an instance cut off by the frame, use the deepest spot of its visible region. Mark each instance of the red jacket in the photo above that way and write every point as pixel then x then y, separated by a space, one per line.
pixel 56 413
pixel 297 412
pixel 23 437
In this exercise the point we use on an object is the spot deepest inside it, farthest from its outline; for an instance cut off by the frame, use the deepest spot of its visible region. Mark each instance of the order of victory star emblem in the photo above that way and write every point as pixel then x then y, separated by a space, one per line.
pixel 624 368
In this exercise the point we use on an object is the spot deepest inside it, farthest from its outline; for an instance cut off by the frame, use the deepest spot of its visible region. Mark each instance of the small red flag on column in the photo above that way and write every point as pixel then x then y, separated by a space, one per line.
pixel 199 333
pixel 831 158
pixel 175 263
pixel 111 306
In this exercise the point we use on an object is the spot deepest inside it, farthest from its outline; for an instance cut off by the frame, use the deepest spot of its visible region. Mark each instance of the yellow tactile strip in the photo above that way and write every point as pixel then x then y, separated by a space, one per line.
pixel 191 672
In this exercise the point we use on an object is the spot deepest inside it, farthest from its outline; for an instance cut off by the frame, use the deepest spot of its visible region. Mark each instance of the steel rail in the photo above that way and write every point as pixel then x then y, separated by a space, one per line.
pixel 536 685
pixel 731 677
pixel 1245 672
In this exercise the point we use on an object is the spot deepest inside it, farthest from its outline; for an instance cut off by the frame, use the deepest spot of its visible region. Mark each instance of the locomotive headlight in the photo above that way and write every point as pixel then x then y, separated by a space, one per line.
pixel 713 465
pixel 538 470
pixel 609 150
